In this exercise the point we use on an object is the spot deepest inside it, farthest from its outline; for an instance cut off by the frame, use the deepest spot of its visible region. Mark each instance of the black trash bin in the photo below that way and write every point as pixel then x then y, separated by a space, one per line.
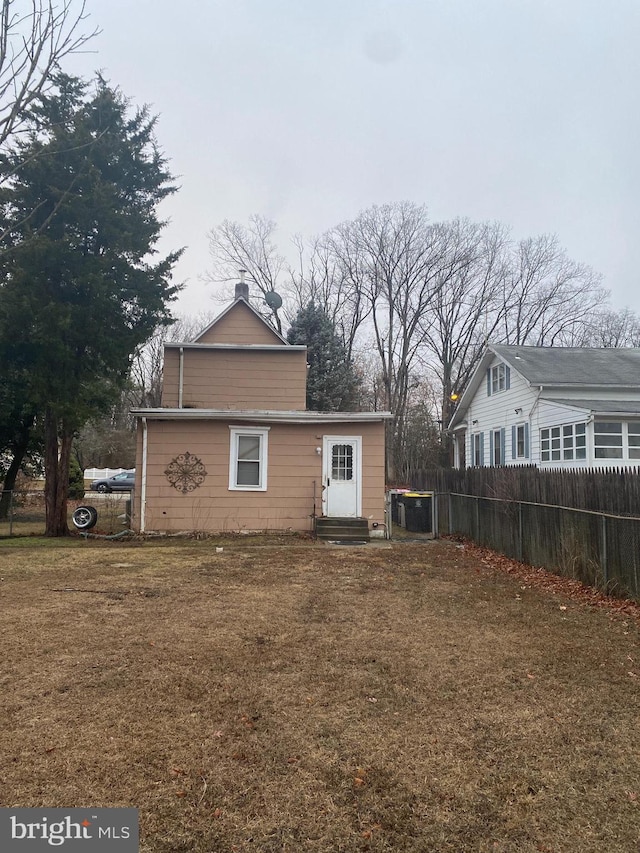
pixel 418 511
pixel 396 496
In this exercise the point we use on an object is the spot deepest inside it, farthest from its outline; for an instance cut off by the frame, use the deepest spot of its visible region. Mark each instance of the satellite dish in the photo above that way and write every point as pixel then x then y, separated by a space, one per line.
pixel 273 300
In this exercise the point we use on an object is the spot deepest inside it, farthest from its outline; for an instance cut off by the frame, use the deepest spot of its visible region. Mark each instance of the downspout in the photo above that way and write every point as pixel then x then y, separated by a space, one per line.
pixel 535 402
pixel 533 409
pixel 143 480
pixel 181 378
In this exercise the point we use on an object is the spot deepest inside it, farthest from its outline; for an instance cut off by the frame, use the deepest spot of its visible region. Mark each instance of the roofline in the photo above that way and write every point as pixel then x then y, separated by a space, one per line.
pixel 493 350
pixel 276 347
pixel 609 414
pixel 556 385
pixel 251 308
pixel 263 416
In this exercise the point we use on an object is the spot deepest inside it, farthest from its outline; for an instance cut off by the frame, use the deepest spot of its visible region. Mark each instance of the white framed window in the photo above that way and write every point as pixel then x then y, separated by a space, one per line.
pixel 563 443
pixel 496 446
pixel 248 458
pixel 634 439
pixel 498 379
pixel 520 441
pixel 477 449
pixel 607 439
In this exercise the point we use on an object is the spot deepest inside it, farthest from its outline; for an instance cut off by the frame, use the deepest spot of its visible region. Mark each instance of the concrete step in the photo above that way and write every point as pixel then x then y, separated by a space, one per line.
pixel 342 529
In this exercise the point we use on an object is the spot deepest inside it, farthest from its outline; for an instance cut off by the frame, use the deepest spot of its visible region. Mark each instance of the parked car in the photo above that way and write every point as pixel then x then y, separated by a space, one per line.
pixel 123 482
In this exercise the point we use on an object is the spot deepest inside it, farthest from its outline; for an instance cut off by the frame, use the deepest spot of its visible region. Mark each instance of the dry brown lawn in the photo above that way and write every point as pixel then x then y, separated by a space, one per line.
pixel 288 696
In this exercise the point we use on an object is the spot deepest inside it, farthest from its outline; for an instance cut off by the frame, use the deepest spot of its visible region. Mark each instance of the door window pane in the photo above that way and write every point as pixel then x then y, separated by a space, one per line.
pixel 342 462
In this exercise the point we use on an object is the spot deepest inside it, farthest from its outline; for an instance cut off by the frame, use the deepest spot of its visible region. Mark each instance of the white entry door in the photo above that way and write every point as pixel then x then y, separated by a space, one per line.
pixel 342 476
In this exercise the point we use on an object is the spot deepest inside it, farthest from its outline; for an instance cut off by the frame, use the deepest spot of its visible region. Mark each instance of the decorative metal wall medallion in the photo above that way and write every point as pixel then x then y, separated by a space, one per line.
pixel 186 472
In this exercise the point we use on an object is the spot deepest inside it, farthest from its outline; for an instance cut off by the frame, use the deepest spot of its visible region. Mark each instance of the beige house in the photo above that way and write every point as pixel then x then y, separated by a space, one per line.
pixel 233 448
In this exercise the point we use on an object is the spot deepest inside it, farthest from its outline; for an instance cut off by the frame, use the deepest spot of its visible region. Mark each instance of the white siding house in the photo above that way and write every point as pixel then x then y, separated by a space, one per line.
pixel 551 407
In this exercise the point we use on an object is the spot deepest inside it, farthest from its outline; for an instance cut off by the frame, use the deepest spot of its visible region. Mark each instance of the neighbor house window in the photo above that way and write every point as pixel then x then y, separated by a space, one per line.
pixel 563 443
pixel 634 439
pixel 520 441
pixel 607 440
pixel 498 378
pixel 477 449
pixel 497 447
pixel 248 459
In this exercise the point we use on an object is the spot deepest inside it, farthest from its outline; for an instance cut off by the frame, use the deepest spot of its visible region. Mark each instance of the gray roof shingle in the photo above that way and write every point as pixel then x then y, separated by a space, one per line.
pixel 573 365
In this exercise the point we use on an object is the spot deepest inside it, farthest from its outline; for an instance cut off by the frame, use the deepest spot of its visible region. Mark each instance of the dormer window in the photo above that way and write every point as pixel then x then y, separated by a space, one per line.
pixel 497 379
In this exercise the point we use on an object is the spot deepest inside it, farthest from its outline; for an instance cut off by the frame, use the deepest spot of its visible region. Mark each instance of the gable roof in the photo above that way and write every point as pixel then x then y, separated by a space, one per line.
pixel 241 301
pixel 552 368
pixel 573 365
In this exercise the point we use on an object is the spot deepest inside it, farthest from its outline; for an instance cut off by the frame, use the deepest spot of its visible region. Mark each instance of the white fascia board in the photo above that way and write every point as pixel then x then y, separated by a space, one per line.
pixel 257 416
pixel 277 347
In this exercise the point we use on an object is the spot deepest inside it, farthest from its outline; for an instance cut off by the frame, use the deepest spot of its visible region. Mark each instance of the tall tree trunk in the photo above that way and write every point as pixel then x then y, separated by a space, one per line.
pixel 10 481
pixel 19 449
pixel 57 454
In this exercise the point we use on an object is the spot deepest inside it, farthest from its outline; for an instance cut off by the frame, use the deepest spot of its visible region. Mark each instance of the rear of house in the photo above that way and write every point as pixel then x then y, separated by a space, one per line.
pixel 233 448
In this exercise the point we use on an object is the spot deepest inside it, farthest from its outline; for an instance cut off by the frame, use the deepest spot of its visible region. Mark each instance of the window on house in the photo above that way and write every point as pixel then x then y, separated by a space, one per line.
pixel 607 440
pixel 342 462
pixel 520 441
pixel 498 378
pixel 564 442
pixel 634 439
pixel 477 449
pixel 497 447
pixel 248 459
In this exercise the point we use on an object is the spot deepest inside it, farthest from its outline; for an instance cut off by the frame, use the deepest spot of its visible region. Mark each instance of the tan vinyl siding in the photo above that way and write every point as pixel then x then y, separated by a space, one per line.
pixel 170 377
pixel 239 326
pixel 293 467
pixel 236 379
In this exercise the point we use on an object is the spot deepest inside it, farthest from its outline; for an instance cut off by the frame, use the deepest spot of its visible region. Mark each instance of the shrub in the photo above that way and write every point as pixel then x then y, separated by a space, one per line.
pixel 76 480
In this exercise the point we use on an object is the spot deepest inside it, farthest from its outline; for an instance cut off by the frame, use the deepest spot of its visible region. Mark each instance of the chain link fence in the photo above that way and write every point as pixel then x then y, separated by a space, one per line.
pixel 596 548
pixel 25 512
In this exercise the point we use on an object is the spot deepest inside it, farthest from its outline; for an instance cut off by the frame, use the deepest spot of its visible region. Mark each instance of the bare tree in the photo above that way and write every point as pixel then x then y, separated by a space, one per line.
pixel 398 262
pixel 612 329
pixel 145 387
pixel 35 37
pixel 323 278
pixel 234 246
pixel 548 298
pixel 464 314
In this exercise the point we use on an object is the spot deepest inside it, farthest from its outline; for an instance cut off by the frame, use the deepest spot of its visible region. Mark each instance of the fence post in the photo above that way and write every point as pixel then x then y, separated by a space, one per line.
pixel 477 519
pixel 11 494
pixel 603 550
pixel 520 532
pixel 435 516
pixel 450 515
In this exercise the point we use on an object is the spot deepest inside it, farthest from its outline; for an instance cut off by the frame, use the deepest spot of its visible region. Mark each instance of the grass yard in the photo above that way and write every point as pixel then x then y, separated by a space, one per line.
pixel 288 696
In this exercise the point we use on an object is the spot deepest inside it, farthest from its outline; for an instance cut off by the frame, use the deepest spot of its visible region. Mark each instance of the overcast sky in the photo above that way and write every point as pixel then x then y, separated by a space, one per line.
pixel 520 111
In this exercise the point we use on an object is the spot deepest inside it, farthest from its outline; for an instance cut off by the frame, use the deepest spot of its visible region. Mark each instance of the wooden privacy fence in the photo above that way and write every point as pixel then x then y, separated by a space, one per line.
pixel 599 549
pixel 614 491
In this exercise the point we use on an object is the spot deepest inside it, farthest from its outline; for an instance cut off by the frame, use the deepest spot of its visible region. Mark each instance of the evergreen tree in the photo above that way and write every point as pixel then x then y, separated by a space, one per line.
pixel 76 480
pixel 332 382
pixel 78 288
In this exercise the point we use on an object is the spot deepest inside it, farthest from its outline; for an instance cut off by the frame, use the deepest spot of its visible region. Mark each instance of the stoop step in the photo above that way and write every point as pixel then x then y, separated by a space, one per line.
pixel 342 529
